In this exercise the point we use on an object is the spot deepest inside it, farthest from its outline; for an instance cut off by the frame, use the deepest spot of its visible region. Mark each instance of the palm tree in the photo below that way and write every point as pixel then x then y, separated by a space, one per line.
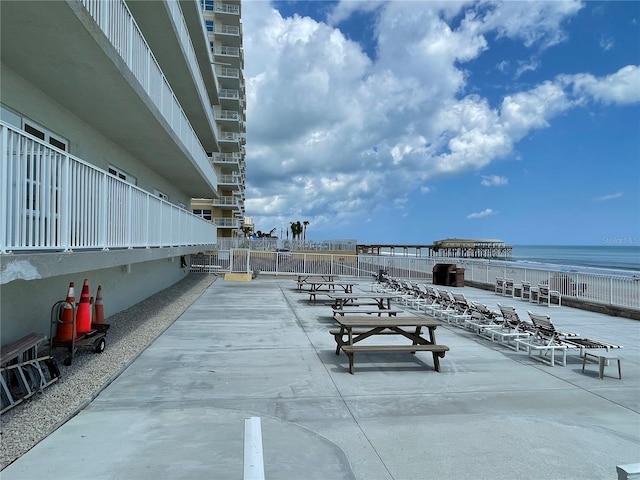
pixel 304 235
pixel 296 229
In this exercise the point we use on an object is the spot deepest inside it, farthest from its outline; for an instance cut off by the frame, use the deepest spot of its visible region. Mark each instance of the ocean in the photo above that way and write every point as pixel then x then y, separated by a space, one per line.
pixel 620 259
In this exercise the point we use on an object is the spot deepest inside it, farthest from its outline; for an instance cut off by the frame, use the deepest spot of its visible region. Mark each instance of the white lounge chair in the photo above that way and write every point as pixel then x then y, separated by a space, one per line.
pixel 512 329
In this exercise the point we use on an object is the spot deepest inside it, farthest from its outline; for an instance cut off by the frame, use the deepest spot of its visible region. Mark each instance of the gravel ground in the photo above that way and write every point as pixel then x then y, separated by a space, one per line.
pixel 131 331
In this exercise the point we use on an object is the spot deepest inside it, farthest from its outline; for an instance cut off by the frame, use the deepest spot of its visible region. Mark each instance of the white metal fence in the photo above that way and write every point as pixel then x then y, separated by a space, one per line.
pixel 50 200
pixel 620 291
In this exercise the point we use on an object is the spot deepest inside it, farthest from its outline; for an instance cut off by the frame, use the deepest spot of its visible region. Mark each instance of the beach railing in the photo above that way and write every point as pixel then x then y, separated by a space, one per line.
pixel 619 291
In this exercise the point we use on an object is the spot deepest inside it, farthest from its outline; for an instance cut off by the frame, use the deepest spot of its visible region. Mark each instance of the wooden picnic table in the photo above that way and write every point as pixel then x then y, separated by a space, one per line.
pixel 382 300
pixel 302 279
pixel 316 287
pixel 356 329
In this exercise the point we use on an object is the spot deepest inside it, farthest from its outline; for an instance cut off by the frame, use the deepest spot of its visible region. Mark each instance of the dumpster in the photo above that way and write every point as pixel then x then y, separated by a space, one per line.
pixel 448 275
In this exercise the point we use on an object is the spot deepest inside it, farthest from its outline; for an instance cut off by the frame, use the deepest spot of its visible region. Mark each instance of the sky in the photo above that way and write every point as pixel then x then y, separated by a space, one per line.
pixel 406 122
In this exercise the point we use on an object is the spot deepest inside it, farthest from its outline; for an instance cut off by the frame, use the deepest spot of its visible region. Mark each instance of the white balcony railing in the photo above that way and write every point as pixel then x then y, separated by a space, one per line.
pixel 225 222
pixel 229 93
pixel 227 29
pixel 225 201
pixel 230 136
pixel 227 115
pixel 227 72
pixel 117 23
pixel 228 51
pixel 51 200
pixel 226 8
pixel 233 157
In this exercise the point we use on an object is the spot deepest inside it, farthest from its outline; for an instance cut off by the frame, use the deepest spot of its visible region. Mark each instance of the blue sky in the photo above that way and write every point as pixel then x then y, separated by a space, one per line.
pixel 412 121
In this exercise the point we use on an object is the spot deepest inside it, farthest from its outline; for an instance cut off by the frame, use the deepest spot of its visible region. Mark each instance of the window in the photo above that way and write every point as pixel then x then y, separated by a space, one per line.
pixel 206 214
pixel 209 24
pixel 207 5
pixel 161 195
pixel 45 135
pixel 122 175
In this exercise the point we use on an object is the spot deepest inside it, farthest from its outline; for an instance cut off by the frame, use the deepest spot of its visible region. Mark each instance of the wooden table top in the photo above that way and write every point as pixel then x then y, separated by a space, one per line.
pixel 373 322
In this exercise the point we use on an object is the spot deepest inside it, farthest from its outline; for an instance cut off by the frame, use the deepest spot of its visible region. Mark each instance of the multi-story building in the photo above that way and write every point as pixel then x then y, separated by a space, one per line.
pixel 114 116
pixel 224 34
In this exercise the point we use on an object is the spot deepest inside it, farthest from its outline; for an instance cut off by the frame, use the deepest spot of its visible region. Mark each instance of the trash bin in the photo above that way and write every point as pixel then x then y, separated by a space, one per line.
pixel 441 273
pixel 457 279
pixel 448 274
pixel 381 275
pixel 256 273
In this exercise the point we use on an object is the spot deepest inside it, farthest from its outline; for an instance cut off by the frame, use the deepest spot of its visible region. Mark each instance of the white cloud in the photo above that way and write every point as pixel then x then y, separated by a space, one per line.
pixel 621 87
pixel 606 43
pixel 533 22
pixel 333 134
pixel 484 213
pixel 493 180
pixel 525 111
pixel 611 196
pixel 529 66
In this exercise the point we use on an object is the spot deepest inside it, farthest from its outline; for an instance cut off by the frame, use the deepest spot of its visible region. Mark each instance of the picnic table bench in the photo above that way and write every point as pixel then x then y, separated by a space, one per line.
pixel 365 311
pixel 356 329
pixel 381 300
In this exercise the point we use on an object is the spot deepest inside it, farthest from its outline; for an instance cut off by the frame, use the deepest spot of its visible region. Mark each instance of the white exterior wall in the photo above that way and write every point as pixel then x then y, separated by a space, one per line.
pixel 61 71
pixel 25 306
pixel 84 141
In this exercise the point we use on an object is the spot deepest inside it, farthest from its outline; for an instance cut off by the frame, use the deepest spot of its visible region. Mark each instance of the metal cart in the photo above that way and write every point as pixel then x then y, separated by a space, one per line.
pixel 95 338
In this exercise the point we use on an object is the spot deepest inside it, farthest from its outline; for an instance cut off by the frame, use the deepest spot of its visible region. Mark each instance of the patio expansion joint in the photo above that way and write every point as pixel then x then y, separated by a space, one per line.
pixel 342 398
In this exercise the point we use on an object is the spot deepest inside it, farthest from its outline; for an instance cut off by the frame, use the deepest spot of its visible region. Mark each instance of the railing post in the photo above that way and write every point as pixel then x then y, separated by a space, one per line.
pixel 4 187
pixel 65 214
pixel 129 220
pixel 103 199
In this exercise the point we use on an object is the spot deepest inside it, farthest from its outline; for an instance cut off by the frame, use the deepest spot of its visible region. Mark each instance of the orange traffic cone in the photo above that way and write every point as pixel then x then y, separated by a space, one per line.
pixel 99 307
pixel 65 331
pixel 83 315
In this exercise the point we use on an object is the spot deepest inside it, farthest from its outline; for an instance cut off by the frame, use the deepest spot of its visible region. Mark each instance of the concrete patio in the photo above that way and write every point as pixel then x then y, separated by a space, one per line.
pixel 260 348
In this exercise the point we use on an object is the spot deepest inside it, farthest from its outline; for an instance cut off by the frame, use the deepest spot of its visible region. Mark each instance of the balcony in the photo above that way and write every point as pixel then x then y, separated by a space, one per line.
pixel 234 56
pixel 53 201
pixel 225 158
pixel 227 51
pixel 233 182
pixel 229 34
pixel 229 117
pixel 173 43
pixel 231 138
pixel 227 72
pixel 226 9
pixel 227 222
pixel 136 104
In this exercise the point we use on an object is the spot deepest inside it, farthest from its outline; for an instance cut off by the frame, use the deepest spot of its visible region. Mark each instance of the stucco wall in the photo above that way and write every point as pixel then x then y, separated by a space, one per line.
pixel 25 306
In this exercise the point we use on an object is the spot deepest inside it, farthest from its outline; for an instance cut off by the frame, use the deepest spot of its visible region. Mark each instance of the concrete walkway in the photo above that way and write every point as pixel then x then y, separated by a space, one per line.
pixel 261 349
